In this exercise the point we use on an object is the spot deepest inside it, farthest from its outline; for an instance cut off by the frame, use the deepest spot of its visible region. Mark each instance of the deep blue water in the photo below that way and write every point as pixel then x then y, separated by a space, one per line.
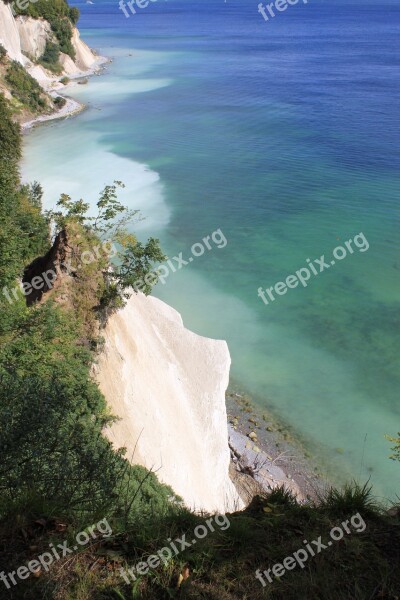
pixel 285 136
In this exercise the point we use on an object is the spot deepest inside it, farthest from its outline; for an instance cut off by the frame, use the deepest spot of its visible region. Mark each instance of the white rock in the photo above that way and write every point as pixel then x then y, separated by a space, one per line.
pixel 68 65
pixel 168 386
pixel 84 59
pixel 33 33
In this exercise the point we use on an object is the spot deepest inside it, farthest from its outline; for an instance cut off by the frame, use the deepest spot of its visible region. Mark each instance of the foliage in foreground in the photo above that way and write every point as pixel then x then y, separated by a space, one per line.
pixel 222 566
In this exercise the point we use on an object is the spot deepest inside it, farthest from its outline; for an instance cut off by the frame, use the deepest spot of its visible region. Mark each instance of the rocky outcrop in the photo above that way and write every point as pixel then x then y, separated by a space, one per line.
pixel 33 33
pixel 167 385
pixel 9 34
pixel 48 272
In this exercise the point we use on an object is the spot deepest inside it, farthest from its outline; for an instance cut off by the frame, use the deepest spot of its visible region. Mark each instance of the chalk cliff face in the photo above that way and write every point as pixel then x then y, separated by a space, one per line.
pixel 9 34
pixel 33 34
pixel 168 385
pixel 25 39
pixel 85 59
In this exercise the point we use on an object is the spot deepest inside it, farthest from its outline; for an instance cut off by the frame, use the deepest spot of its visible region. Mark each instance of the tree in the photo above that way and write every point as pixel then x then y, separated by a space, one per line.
pixel 24 230
pixel 136 269
pixel 134 263
pixel 50 57
pixel 35 192
pixel 74 15
pixel 396 447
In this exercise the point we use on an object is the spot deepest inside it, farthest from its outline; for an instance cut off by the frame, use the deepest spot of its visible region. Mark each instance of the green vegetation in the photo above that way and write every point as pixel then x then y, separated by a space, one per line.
pixel 47 9
pixel 50 57
pixel 3 54
pixel 55 459
pixel 59 102
pixel 222 566
pixel 396 447
pixel 62 29
pixel 23 231
pixel 74 15
pixel 25 88
pixel 134 262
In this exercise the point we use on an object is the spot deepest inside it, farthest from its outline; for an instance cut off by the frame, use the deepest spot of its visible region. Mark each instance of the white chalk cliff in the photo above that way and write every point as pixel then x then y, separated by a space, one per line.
pixel 25 39
pixel 9 34
pixel 33 35
pixel 168 386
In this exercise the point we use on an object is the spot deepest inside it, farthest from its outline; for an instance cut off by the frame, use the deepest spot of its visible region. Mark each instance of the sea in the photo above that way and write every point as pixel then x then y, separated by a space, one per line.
pixel 281 137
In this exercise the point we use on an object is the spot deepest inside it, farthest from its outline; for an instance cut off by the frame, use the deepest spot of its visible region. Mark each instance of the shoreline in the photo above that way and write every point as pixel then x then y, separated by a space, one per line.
pixel 264 451
pixel 72 107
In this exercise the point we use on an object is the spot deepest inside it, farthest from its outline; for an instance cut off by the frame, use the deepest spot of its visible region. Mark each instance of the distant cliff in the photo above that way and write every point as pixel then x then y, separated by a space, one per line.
pixel 25 40
pixel 47 56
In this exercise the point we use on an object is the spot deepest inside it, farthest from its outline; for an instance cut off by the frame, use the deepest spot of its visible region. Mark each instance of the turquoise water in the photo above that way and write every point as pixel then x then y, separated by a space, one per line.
pixel 283 135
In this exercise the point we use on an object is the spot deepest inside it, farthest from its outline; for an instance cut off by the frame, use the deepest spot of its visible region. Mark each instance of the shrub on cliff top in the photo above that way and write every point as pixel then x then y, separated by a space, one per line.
pixel 50 57
pixel 3 54
pixel 24 87
pixel 134 261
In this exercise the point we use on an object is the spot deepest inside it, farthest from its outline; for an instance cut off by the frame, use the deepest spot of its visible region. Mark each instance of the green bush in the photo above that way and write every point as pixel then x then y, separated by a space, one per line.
pixel 3 54
pixel 50 57
pixel 74 14
pixel 24 87
pixel 395 447
pixel 44 8
pixel 23 230
pixel 59 102
pixel 52 414
pixel 62 29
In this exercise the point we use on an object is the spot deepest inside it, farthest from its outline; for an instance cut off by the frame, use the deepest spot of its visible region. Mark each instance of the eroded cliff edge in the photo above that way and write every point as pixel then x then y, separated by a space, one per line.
pixel 167 385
